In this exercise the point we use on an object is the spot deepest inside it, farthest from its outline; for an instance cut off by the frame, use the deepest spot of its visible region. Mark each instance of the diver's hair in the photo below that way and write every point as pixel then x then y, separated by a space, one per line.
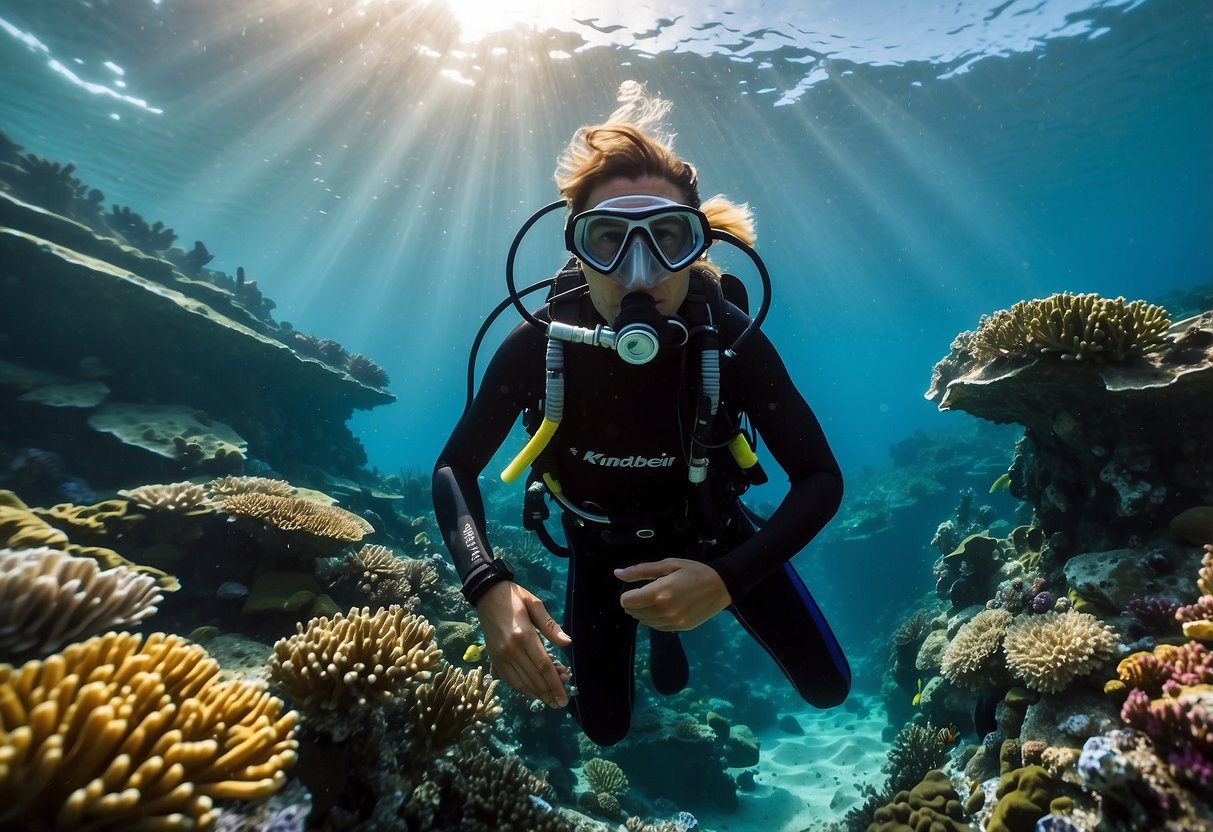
pixel 634 142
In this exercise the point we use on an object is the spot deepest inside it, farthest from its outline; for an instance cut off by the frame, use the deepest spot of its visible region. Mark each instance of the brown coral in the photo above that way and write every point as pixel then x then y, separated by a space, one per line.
pixel 452 703
pixel 1075 327
pixel 1050 651
pixel 175 497
pixel 605 777
pixel 353 659
pixel 49 598
pixel 966 661
pixel 121 733
pixel 222 487
pixel 313 529
pixel 386 578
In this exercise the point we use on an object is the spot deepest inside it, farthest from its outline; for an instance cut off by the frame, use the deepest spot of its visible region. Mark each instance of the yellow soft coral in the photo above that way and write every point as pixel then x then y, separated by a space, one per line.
pixel 119 733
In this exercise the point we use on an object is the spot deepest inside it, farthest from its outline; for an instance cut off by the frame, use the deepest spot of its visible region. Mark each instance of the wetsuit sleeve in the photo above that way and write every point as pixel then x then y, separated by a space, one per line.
pixel 512 381
pixel 758 381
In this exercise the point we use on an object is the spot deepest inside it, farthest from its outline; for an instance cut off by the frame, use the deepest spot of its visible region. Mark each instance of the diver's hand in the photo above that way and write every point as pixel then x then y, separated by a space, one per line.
pixel 682 594
pixel 509 616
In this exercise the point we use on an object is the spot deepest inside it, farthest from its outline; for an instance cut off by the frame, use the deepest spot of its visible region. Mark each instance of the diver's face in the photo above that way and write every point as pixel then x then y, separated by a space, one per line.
pixel 605 292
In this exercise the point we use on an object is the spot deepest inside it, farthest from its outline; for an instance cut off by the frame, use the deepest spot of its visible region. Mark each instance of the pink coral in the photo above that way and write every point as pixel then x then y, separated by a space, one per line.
pixel 1180 727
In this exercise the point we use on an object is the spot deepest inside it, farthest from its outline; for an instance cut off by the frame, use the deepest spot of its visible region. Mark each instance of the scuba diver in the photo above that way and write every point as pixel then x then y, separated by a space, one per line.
pixel 636 380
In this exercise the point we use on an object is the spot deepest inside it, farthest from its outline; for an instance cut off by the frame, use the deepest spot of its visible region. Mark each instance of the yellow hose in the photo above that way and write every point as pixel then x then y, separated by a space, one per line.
pixel 532 450
pixel 742 452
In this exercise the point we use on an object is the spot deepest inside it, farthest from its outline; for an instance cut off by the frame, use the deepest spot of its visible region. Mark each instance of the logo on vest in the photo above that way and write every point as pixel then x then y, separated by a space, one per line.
pixel 634 461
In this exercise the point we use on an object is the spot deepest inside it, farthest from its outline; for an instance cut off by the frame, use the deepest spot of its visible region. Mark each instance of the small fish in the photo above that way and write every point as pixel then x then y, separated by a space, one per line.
pixel 421 539
pixel 918 696
pixel 473 653
pixel 1002 483
pixel 947 736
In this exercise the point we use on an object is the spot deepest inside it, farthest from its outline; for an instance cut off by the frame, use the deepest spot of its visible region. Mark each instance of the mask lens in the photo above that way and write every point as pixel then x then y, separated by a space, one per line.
pixel 675 236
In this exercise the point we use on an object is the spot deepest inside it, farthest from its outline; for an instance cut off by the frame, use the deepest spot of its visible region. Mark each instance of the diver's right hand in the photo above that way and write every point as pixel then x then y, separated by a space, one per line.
pixel 510 617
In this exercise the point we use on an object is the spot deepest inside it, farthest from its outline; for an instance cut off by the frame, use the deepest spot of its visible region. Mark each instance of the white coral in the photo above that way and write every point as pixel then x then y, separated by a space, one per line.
pixel 49 598
pixel 1050 651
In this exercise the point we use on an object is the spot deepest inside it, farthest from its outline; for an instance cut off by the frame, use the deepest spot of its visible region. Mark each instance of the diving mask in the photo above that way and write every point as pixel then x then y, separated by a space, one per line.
pixel 638 240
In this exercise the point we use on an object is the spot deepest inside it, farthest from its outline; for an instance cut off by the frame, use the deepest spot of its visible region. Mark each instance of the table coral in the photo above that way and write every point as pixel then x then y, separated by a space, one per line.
pixel 119 732
pixel 49 598
pixel 1049 651
pixel 313 529
pixel 176 497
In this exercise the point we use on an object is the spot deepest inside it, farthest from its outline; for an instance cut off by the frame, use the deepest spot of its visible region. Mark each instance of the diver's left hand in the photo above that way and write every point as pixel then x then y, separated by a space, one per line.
pixel 681 595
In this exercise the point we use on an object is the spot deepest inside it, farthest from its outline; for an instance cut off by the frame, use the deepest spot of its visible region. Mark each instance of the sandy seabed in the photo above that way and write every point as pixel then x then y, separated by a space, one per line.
pixel 806 782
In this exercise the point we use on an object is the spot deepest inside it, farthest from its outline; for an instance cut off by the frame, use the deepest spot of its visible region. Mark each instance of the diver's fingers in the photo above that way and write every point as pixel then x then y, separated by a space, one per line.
pixel 541 677
pixel 547 625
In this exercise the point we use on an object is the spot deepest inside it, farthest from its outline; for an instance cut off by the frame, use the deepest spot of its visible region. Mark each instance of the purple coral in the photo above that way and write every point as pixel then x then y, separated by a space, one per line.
pixel 1042 601
pixel 1154 615
pixel 1181 728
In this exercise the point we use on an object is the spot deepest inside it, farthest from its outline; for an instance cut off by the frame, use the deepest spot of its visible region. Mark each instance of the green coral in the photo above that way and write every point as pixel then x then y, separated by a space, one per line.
pixel 1023 798
pixel 1075 327
pixel 932 804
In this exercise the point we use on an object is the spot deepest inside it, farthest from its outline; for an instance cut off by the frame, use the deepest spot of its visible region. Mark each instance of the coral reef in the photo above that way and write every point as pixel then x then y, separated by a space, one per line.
pixel 973 658
pixel 1073 327
pixel 49 598
pixel 332 666
pixel 118 732
pixel 450 704
pixel 931 804
pixel 311 529
pixel 176 497
pixel 1129 442
pixel 1050 651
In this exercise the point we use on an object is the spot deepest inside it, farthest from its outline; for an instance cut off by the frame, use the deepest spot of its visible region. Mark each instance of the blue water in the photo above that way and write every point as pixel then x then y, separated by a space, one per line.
pixel 911 167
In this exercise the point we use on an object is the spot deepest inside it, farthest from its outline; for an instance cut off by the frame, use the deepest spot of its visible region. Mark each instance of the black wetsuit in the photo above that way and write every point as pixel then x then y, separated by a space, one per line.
pixel 621 450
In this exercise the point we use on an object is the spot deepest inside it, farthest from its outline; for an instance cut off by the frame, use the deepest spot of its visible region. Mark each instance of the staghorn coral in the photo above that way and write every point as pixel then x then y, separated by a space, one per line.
pixel 1049 651
pixel 967 659
pixel 1075 327
pixel 176 497
pixel 49 598
pixel 484 793
pixel 450 704
pixel 119 732
pixel 313 527
pixel 222 487
pixel 331 666
pixel 605 777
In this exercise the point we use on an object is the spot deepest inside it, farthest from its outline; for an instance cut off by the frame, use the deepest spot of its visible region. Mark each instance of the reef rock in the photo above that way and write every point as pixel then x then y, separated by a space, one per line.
pixel 166 339
pixel 1129 441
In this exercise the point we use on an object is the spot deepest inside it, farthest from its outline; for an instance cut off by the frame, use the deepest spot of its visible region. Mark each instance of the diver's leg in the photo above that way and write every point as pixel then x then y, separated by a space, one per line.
pixel 781 615
pixel 604 643
pixel 667 662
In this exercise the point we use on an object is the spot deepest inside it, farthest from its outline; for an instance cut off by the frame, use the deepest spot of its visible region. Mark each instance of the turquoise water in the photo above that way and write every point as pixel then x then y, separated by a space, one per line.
pixel 911 167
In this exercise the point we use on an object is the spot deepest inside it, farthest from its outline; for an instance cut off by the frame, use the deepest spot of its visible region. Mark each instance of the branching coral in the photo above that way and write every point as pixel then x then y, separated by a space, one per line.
pixel 49 598
pixel 222 487
pixel 176 497
pixel 1168 668
pixel 333 665
pixel 316 528
pixel 1050 651
pixel 1075 327
pixel 452 703
pixel 387 578
pixel 916 751
pixel 1181 727
pixel 1197 619
pixel 366 371
pixel 967 660
pixel 121 733
pixel 484 793
pixel 605 777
